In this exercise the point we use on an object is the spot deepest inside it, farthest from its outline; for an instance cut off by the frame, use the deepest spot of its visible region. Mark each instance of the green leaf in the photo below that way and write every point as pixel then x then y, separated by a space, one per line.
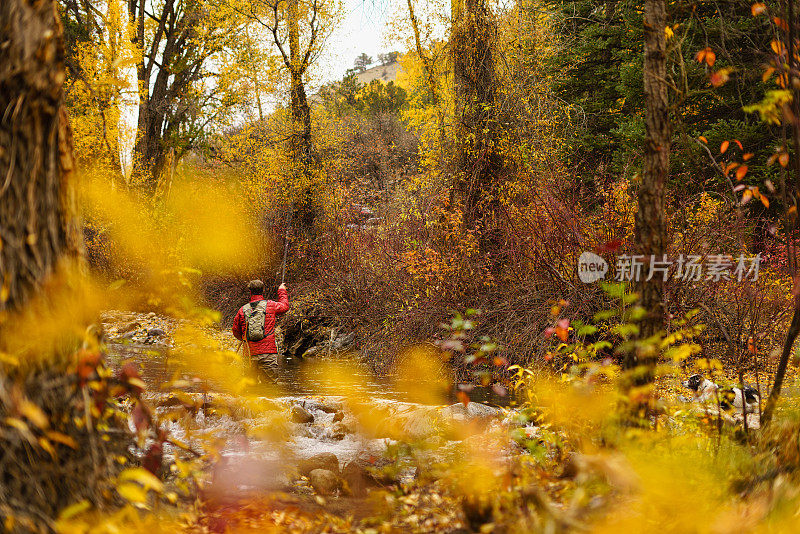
pixel 636 313
pixel 601 345
pixel 604 315
pixel 586 330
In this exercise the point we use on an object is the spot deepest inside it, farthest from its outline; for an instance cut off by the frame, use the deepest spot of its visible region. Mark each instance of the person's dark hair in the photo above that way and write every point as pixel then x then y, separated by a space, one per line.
pixel 256 287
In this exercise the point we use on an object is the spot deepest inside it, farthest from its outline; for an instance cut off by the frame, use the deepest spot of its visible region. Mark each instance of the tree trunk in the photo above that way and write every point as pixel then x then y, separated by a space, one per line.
pixel 430 74
pixel 36 161
pixel 478 165
pixel 792 124
pixel 301 147
pixel 650 219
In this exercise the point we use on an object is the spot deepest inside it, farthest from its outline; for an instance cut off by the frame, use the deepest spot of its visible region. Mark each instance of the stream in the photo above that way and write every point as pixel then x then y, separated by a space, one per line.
pixel 260 461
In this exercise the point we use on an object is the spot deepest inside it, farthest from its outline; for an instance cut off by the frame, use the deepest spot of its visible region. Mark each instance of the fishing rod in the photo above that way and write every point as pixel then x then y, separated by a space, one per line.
pixel 285 254
pixel 286 240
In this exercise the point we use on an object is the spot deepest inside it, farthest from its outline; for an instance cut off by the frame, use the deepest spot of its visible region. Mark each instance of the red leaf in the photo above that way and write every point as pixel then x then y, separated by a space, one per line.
pixel 152 460
pixel 741 171
pixel 780 23
pixel 701 55
pixel 757 9
pixel 611 246
pixel 499 361
pixel 140 417
pixel 724 147
pixel 562 334
pixel 719 78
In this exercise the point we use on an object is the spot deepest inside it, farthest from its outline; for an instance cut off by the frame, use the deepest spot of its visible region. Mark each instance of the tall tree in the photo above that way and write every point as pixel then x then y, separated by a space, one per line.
pixel 36 163
pixel 787 63
pixel 650 218
pixel 478 163
pixel 298 29
pixel 363 61
pixel 428 64
pixel 179 75
pixel 99 57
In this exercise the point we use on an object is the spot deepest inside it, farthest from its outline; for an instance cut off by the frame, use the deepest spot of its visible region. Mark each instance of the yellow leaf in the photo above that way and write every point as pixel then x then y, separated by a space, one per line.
pixel 132 493
pixel 58 437
pixel 783 159
pixel 19 424
pixel 746 196
pixel 9 359
pixel 668 33
pixel 74 509
pixel 703 139
pixel 5 290
pixel 46 445
pixel 138 382
pixel 143 477
pixel 767 73
pixel 764 200
pixel 34 414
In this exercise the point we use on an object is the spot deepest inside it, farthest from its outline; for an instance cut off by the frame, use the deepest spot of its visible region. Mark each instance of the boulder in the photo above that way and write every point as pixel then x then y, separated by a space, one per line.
pixel 300 414
pixel 343 342
pixel 338 416
pixel 474 411
pixel 128 327
pixel 323 481
pixel 327 406
pixel 421 424
pixel 325 460
pixel 156 332
pixel 339 431
pixel 355 479
pixel 126 335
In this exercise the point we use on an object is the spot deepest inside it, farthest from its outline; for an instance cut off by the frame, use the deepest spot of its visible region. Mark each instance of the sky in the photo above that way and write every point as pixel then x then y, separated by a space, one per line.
pixel 361 31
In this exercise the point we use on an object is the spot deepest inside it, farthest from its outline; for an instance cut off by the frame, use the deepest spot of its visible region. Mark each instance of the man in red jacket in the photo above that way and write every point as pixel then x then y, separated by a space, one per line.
pixel 255 323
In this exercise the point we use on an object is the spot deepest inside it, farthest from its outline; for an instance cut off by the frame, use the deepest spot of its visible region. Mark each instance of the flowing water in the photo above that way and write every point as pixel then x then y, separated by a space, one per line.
pixel 156 368
pixel 260 463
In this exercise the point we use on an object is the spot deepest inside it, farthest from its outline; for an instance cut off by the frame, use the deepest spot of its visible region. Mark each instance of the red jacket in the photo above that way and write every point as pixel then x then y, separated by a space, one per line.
pixel 266 345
